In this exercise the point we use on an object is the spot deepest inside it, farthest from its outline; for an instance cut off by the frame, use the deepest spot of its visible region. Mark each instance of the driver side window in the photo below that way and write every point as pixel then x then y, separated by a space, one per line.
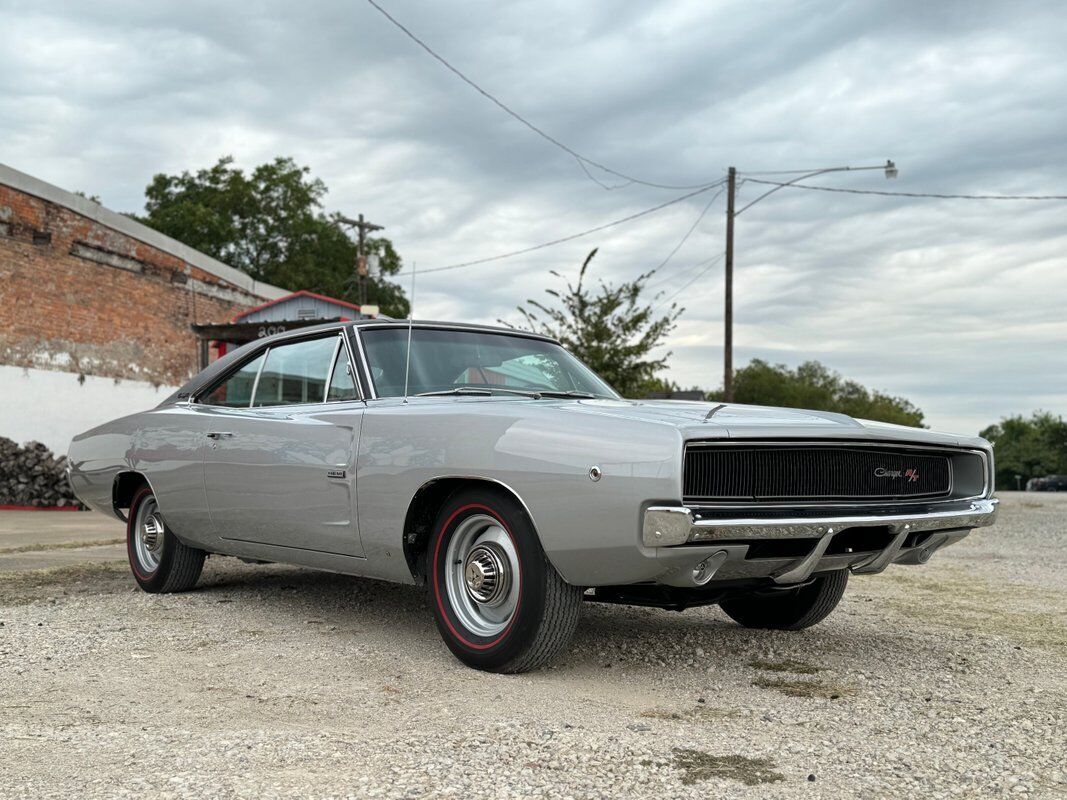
pixel 295 373
pixel 307 371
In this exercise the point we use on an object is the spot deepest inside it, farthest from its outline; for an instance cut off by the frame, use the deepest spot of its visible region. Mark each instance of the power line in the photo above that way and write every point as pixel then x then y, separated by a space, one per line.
pixel 582 160
pixel 572 236
pixel 689 270
pixel 711 263
pixel 689 232
pixel 885 193
pixel 599 182
pixel 685 273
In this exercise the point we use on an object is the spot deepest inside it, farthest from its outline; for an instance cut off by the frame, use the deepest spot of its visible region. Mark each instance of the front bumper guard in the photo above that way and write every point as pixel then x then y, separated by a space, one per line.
pixel 670 526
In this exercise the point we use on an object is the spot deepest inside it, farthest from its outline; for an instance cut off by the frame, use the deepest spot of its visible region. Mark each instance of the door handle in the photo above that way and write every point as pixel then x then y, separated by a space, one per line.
pixel 219 435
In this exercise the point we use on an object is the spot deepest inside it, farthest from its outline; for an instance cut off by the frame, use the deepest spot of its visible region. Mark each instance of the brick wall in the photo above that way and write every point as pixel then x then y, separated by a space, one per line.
pixel 78 296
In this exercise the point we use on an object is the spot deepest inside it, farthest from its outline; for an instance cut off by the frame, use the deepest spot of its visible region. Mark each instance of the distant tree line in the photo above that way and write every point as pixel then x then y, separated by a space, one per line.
pixel 1028 448
pixel 814 386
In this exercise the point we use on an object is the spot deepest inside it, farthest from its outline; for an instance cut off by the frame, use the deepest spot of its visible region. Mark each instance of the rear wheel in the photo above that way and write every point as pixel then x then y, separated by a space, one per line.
pixel 789 610
pixel 498 602
pixel 160 563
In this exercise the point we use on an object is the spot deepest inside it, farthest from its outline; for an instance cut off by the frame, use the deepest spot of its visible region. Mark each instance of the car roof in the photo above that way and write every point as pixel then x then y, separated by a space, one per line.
pixel 462 326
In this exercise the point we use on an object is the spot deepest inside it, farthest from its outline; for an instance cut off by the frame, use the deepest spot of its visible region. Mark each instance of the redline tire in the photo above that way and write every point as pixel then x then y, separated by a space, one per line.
pixel 159 561
pixel 529 612
pixel 790 610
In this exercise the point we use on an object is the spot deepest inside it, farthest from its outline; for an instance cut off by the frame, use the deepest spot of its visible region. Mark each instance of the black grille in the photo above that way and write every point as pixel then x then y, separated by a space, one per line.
pixel 813 474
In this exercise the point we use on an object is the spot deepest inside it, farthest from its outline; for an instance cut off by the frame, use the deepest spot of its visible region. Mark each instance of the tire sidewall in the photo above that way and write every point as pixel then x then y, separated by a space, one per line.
pixel 478 651
pixel 149 581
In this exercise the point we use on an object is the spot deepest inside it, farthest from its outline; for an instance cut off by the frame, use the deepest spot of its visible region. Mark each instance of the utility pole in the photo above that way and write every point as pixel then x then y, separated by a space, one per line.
pixel 728 315
pixel 362 226
pixel 890 170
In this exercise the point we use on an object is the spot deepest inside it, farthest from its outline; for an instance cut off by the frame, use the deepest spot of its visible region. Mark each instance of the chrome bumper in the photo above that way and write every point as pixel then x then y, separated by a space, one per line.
pixel 667 526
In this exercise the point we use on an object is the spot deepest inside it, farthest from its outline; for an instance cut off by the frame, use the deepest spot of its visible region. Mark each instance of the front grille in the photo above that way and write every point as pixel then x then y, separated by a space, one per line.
pixel 807 473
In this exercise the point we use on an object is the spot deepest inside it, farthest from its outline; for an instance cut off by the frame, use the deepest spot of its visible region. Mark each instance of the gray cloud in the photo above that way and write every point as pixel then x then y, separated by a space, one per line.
pixel 957 305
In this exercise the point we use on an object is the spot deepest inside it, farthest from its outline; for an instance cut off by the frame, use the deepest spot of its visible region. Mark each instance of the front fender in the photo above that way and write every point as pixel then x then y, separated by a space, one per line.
pixel 590 530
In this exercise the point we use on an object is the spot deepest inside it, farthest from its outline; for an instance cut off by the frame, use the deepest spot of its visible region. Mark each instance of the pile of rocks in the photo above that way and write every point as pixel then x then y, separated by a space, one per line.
pixel 32 475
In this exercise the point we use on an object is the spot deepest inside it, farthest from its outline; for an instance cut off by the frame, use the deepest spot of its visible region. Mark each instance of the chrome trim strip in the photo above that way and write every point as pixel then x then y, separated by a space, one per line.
pixel 357 333
pixel 255 383
pixel 666 526
pixel 333 368
pixel 355 368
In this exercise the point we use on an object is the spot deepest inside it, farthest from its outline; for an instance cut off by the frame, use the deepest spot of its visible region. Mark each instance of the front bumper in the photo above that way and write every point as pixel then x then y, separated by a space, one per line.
pixel 720 545
pixel 667 526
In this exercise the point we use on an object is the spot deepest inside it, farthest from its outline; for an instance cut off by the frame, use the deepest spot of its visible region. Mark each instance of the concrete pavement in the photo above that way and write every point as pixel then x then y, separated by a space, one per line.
pixel 44 539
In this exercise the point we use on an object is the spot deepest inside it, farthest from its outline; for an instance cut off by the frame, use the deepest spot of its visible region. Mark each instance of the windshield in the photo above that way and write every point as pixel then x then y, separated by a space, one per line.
pixel 446 360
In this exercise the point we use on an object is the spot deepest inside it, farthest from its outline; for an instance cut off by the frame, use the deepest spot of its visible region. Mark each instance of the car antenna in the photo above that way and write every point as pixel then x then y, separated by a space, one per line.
pixel 411 318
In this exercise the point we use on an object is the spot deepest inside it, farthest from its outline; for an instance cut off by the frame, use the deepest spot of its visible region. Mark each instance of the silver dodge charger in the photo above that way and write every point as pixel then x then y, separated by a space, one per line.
pixel 497 470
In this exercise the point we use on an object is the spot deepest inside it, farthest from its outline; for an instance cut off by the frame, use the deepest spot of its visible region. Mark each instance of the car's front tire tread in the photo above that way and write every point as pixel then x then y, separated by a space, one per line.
pixel 790 611
pixel 563 604
pixel 186 565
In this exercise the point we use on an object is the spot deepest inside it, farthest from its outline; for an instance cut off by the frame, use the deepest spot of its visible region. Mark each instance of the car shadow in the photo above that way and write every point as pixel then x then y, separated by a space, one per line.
pixel 608 636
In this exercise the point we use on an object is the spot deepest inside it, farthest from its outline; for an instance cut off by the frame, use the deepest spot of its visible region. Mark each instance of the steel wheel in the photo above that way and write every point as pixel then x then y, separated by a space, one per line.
pixel 499 604
pixel 148 535
pixel 482 575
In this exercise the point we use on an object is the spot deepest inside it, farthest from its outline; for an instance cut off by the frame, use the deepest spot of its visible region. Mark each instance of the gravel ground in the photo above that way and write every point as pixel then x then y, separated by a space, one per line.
pixel 938 681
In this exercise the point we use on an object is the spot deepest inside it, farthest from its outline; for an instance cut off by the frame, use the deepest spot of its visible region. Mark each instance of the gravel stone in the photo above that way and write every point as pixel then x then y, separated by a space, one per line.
pixel 946 680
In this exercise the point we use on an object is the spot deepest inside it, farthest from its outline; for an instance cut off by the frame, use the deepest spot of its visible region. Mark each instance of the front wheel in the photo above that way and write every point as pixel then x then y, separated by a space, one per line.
pixel 498 602
pixel 159 561
pixel 789 610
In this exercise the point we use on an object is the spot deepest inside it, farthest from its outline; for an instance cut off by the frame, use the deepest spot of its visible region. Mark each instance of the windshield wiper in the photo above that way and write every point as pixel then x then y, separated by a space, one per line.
pixel 477 390
pixel 567 393
pixel 536 394
pixel 457 390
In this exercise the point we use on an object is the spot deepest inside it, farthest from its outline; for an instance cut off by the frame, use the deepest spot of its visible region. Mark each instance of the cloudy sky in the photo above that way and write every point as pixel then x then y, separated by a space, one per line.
pixel 959 305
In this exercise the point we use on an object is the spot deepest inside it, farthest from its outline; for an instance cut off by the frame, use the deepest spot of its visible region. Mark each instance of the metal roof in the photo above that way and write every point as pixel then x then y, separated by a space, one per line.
pixel 272 310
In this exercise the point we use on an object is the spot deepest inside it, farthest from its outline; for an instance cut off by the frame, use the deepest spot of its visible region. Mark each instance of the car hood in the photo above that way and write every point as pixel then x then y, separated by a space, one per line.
pixel 735 421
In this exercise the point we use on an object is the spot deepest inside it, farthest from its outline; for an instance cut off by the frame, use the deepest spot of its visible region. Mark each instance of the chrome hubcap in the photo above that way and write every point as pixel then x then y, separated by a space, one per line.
pixel 148 535
pixel 481 577
pixel 487 574
pixel 153 533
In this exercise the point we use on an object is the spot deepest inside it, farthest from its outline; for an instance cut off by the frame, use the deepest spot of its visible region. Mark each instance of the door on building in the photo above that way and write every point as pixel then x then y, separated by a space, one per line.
pixel 279 464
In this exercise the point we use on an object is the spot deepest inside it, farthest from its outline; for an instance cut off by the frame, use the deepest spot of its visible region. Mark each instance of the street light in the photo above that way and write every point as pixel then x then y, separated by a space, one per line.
pixel 728 317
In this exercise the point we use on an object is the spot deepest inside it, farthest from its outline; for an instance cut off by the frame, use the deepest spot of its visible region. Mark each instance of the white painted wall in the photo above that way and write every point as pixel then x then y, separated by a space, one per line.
pixel 52 407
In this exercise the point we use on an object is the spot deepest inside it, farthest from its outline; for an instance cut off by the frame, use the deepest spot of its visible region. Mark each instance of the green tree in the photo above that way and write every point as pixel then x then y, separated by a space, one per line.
pixel 270 224
pixel 1029 448
pixel 612 329
pixel 811 385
